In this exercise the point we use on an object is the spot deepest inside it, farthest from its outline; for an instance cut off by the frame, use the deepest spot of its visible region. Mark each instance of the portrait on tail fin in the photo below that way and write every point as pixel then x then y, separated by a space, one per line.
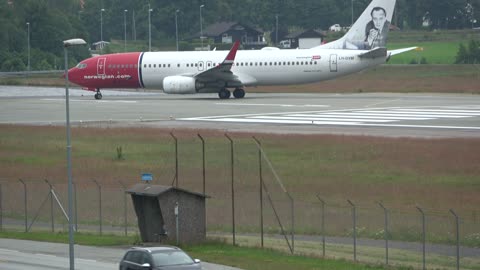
pixel 376 30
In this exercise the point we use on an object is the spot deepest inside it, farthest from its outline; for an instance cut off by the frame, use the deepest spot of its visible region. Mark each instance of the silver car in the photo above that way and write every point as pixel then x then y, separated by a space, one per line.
pixel 165 258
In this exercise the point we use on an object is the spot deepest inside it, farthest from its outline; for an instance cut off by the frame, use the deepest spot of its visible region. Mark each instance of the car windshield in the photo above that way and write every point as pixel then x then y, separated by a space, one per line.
pixel 171 257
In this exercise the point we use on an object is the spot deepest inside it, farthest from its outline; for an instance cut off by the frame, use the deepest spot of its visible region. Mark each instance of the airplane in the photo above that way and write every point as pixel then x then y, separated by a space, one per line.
pixel 362 47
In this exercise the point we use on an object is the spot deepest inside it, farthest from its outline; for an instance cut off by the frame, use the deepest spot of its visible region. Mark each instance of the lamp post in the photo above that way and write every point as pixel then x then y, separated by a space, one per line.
pixel 101 30
pixel 125 29
pixel 276 29
pixel 201 25
pixel 66 45
pixel 149 28
pixel 352 15
pixel 28 48
pixel 176 26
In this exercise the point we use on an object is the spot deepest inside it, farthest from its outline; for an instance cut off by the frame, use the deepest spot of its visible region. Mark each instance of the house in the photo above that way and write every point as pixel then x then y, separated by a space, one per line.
pixel 100 45
pixel 229 32
pixel 305 39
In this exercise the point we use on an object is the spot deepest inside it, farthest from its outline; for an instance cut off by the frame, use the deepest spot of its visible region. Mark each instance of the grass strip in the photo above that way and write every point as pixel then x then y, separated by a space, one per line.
pixel 220 253
pixel 86 239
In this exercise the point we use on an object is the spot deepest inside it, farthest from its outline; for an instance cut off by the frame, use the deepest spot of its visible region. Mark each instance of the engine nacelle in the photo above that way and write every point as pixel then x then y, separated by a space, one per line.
pixel 180 85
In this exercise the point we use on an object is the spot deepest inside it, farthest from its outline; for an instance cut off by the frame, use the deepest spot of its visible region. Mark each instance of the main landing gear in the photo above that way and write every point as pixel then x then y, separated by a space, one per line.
pixel 225 94
pixel 98 94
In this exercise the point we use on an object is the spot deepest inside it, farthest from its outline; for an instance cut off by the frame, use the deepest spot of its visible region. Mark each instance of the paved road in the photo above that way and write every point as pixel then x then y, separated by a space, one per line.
pixel 380 114
pixel 30 255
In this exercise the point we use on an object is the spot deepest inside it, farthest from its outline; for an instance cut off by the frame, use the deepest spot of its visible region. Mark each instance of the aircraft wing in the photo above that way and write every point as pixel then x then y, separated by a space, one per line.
pixel 223 70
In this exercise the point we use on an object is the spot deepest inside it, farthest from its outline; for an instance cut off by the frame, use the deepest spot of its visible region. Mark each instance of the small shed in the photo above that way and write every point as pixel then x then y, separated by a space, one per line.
pixel 155 209
pixel 306 39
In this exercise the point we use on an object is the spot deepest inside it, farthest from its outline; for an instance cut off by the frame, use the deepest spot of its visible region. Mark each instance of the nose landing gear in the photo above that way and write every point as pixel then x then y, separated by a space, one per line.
pixel 98 94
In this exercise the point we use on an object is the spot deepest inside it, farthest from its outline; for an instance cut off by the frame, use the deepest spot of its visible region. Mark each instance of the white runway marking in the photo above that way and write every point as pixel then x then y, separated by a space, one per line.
pixel 272 105
pixel 381 117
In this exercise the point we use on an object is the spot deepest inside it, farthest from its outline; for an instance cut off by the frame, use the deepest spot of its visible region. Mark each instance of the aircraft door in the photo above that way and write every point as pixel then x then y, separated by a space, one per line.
pixel 333 63
pixel 201 66
pixel 101 66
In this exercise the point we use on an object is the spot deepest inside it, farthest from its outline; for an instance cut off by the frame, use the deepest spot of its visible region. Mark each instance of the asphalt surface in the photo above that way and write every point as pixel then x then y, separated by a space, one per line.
pixel 377 114
pixel 30 255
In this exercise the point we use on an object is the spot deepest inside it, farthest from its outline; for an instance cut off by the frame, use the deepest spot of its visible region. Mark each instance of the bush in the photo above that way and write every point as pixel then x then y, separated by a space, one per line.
pixel 470 55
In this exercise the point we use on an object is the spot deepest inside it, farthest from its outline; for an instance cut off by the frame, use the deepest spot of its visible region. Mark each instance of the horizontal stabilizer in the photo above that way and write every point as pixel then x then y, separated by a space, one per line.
pixel 399 51
pixel 375 53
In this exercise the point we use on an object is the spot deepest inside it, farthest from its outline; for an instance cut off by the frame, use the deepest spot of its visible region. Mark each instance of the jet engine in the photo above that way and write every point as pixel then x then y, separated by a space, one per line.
pixel 181 85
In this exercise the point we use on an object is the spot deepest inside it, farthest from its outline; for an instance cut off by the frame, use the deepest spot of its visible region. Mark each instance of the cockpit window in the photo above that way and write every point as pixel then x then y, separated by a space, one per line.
pixel 81 66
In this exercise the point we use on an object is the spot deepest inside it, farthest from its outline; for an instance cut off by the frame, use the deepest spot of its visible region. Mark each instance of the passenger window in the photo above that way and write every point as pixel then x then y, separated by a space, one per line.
pixel 187 65
pixel 145 65
pixel 164 65
pixel 149 65
pixel 178 65
pixel 261 63
pixel 315 62
pixel 168 65
pixel 155 65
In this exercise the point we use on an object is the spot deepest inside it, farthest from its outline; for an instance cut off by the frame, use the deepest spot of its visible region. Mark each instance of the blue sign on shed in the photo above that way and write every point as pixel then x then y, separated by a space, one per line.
pixel 147 177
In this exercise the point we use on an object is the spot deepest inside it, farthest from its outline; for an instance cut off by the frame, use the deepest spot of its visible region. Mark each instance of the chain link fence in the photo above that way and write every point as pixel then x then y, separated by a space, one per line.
pixel 250 205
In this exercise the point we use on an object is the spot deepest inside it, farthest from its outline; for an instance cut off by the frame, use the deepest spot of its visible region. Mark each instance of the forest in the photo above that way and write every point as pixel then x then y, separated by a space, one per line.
pixel 52 21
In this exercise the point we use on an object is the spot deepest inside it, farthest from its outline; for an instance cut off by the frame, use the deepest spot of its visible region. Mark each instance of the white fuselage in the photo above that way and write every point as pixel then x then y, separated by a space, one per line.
pixel 258 67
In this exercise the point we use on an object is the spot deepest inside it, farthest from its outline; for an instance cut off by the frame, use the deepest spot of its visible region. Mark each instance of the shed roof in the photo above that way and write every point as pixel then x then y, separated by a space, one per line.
pixel 306 33
pixel 156 190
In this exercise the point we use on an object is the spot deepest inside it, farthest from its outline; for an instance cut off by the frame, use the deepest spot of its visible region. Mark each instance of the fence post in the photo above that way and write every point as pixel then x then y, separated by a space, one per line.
pixel 233 188
pixel 323 224
pixel 203 161
pixel 1 208
pixel 51 204
pixel 424 240
pixel 124 206
pixel 354 217
pixel 260 173
pixel 75 203
pixel 457 233
pixel 24 203
pixel 385 211
pixel 99 204
pixel 176 158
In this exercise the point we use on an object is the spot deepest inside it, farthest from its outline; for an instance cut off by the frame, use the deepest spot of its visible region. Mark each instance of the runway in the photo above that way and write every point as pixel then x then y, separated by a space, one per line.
pixel 384 114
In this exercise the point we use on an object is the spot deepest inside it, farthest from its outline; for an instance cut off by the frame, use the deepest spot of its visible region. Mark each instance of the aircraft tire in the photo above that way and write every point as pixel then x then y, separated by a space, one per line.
pixel 239 93
pixel 98 96
pixel 224 94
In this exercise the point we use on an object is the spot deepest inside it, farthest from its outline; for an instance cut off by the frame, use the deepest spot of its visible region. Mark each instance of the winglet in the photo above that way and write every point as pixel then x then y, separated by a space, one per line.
pixel 233 52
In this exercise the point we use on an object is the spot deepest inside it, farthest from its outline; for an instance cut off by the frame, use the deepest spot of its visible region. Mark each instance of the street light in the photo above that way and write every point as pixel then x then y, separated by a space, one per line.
pixel 352 15
pixel 28 48
pixel 276 29
pixel 201 25
pixel 66 45
pixel 149 28
pixel 176 26
pixel 125 28
pixel 101 29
